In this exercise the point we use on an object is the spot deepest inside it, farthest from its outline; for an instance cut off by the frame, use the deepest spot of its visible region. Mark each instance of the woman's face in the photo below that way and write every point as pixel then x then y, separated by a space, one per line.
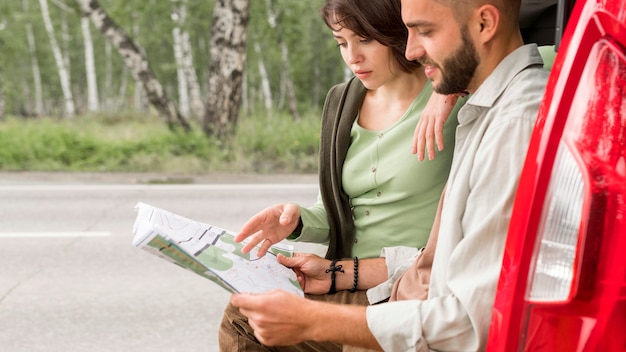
pixel 370 61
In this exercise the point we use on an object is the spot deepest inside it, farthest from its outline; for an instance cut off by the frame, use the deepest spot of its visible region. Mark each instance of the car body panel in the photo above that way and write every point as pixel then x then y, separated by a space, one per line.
pixel 583 111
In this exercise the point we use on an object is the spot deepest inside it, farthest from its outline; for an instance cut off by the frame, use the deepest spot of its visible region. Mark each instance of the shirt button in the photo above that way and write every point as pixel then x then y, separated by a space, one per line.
pixel 381 135
pixel 378 194
pixel 367 212
pixel 374 169
pixel 356 240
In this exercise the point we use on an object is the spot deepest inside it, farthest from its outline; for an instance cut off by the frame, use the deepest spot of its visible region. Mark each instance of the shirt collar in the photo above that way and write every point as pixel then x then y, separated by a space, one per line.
pixel 495 84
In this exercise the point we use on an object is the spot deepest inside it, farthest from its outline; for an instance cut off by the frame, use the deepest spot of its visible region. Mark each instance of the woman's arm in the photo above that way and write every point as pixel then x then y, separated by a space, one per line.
pixel 429 129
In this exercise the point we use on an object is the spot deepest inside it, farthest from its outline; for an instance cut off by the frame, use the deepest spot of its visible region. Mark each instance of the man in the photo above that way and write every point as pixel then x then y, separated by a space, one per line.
pixel 467 47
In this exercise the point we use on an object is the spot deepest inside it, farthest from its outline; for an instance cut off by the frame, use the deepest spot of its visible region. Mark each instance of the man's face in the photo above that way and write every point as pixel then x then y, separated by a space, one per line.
pixel 435 39
pixel 457 69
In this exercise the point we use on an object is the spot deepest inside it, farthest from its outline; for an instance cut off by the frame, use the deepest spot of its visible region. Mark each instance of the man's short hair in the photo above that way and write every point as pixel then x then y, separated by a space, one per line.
pixel 461 8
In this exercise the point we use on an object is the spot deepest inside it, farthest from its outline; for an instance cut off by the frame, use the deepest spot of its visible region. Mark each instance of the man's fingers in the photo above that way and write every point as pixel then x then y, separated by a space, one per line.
pixel 240 300
pixel 248 303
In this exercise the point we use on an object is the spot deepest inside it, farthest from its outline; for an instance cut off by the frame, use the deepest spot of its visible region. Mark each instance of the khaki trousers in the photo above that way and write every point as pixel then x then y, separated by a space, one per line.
pixel 236 335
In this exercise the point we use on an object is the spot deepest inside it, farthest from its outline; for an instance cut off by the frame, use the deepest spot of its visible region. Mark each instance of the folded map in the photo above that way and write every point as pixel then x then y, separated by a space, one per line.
pixel 211 252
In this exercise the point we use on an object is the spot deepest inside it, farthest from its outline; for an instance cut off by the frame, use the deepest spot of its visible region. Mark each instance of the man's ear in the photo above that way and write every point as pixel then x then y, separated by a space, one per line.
pixel 486 22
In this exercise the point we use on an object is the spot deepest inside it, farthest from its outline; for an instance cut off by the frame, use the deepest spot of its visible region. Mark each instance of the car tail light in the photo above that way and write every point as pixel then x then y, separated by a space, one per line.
pixel 558 234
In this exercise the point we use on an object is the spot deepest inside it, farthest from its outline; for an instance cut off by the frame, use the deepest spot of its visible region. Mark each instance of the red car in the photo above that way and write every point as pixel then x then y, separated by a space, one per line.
pixel 563 282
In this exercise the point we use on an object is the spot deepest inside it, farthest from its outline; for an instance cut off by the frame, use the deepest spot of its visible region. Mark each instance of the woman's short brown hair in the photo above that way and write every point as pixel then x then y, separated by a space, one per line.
pixel 380 20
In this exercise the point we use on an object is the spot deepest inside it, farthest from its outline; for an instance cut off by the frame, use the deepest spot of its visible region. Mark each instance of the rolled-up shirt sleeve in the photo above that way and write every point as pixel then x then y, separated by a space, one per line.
pixel 398 260
pixel 400 333
pixel 399 325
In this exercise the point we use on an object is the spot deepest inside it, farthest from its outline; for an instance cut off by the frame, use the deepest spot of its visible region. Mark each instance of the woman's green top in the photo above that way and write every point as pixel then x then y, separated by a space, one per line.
pixel 391 196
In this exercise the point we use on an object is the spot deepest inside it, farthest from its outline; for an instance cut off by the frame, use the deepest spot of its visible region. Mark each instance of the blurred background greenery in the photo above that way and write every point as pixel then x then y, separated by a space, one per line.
pixel 290 62
pixel 141 143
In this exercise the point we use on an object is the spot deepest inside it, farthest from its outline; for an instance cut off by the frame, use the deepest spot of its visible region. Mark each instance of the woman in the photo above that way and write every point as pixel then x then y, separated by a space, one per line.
pixel 373 193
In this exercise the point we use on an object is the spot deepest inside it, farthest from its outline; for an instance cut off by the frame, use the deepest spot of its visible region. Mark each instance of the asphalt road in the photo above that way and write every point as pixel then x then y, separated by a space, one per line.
pixel 70 279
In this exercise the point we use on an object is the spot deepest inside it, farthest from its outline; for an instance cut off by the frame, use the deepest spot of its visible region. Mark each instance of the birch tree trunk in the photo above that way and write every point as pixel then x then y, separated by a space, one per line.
pixel 228 57
pixel 64 79
pixel 93 103
pixel 287 86
pixel 65 41
pixel 108 77
pixel 135 60
pixel 32 50
pixel 183 96
pixel 197 106
pixel 266 91
pixel 184 61
pixel 139 91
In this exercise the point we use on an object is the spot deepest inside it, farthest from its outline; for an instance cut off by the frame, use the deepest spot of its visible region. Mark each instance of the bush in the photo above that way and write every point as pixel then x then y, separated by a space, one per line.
pixel 143 143
pixel 280 143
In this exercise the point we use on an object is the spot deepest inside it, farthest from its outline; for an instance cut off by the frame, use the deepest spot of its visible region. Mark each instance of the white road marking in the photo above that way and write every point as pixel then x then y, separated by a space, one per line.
pixel 53 234
pixel 21 188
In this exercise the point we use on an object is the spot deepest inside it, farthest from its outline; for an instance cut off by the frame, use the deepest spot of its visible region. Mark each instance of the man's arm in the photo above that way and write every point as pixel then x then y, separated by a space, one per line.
pixel 281 318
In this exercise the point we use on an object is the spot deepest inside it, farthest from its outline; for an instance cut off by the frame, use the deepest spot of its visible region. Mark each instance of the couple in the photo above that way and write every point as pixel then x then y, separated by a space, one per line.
pixel 441 297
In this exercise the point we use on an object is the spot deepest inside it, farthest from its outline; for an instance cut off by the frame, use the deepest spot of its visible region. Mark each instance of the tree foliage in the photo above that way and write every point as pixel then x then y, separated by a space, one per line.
pixel 135 60
pixel 314 63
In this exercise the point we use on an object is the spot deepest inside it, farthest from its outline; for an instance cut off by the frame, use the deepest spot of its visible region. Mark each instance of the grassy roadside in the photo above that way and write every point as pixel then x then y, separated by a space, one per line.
pixel 139 143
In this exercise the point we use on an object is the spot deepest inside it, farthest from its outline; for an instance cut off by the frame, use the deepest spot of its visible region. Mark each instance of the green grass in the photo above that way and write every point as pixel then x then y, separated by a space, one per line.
pixel 135 143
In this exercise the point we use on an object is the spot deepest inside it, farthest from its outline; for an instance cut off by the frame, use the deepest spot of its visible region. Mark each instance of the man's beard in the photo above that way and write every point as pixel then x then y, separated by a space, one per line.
pixel 458 69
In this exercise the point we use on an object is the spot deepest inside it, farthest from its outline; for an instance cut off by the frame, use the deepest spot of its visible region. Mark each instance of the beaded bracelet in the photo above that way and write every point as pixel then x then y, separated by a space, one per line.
pixel 332 270
pixel 356 275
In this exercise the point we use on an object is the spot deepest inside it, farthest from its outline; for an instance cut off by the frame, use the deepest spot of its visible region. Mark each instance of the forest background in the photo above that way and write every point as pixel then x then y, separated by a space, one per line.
pixel 183 86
